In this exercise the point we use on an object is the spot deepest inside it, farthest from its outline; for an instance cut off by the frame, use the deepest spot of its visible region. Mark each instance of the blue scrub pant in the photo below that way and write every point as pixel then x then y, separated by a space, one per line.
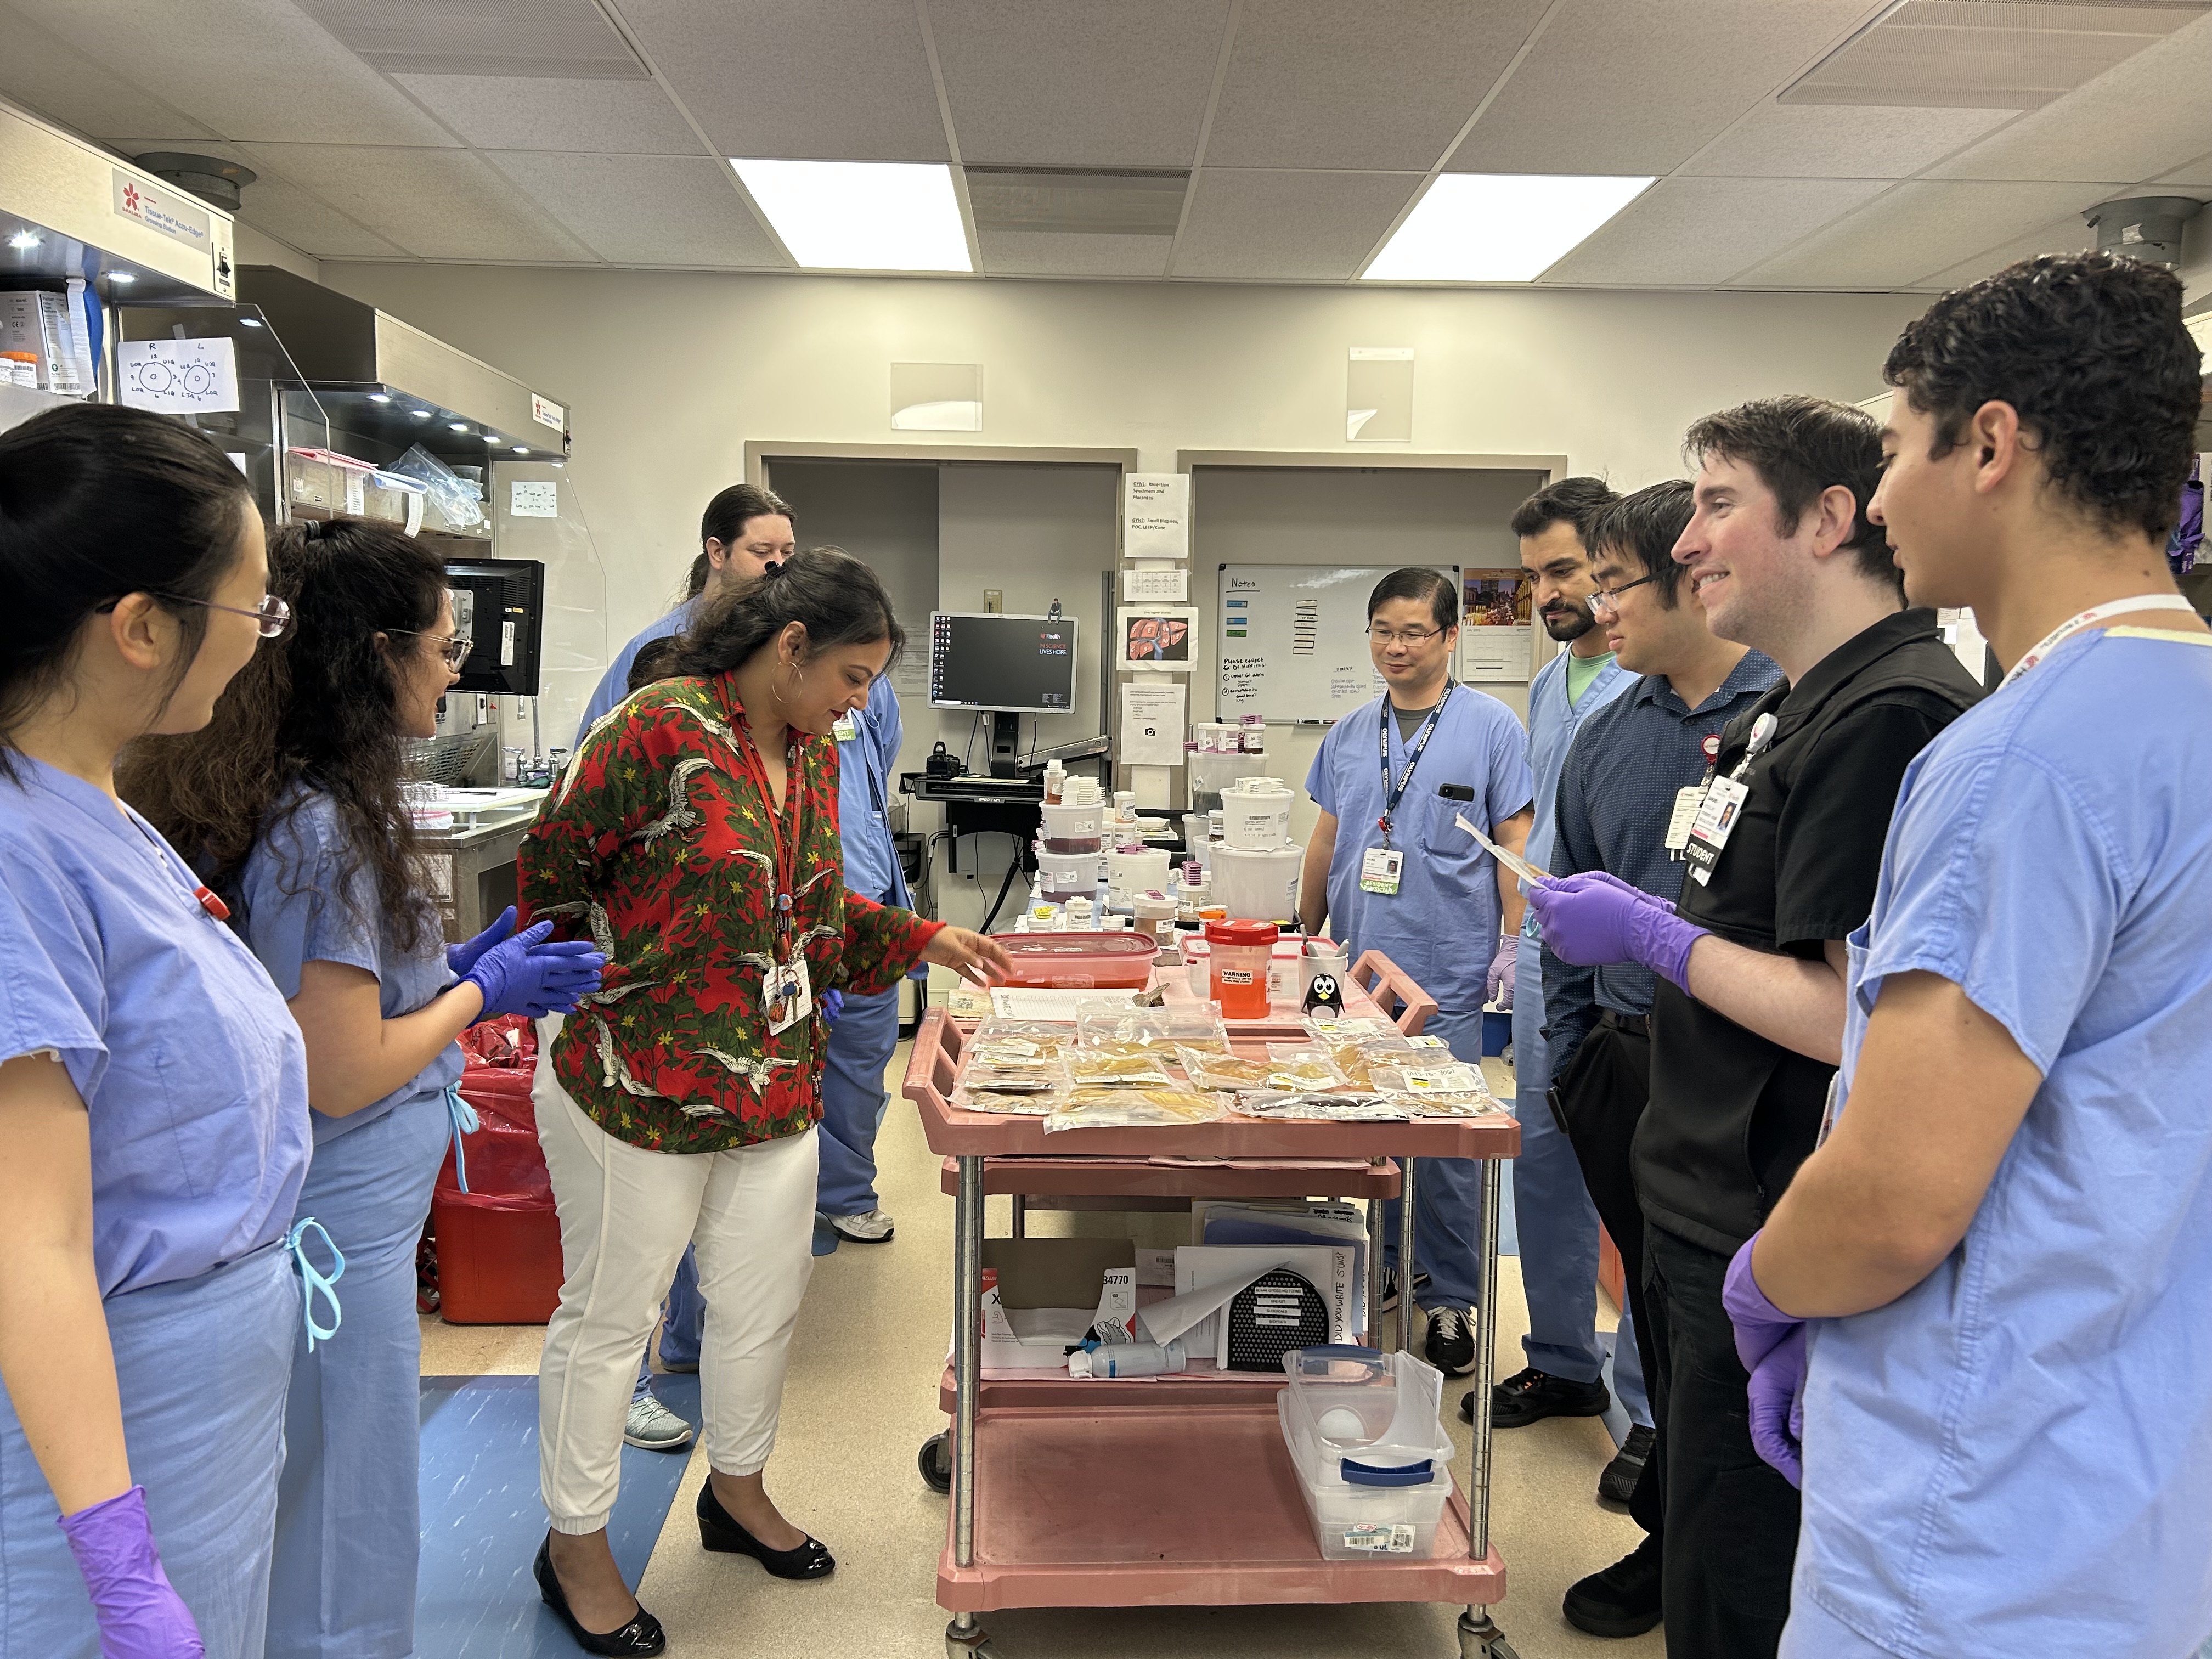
pixel 1555 1220
pixel 348 1534
pixel 202 1364
pixel 861 1044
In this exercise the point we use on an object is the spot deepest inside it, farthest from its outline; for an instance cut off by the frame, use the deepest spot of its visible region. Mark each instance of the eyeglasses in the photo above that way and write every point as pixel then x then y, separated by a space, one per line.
pixel 1387 637
pixel 455 650
pixel 272 614
pixel 1607 599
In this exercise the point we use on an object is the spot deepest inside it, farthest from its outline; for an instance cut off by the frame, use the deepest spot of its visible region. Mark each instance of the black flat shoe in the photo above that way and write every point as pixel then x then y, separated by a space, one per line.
pixel 642 1635
pixel 717 1531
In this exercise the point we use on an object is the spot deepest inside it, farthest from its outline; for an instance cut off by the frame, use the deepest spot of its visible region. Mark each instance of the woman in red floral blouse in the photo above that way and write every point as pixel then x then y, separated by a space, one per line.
pixel 695 838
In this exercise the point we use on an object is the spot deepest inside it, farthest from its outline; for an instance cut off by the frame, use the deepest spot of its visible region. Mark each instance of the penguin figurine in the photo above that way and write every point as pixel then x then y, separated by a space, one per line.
pixel 1324 994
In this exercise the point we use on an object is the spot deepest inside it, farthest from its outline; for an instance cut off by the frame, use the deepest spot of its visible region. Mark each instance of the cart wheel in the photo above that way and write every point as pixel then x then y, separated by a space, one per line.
pixel 966 1640
pixel 1479 1638
pixel 935 1462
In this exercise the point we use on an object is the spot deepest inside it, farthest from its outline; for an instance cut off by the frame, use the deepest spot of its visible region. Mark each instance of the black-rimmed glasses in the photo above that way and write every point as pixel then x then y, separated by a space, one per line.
pixel 1607 599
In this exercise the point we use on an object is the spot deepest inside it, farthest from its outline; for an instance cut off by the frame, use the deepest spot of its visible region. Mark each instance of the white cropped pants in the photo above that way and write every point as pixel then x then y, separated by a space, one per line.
pixel 626 1215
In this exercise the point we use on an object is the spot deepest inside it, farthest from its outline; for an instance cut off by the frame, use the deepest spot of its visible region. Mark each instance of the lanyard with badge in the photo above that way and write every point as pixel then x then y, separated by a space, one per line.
pixel 1720 808
pixel 787 996
pixel 2089 618
pixel 1382 868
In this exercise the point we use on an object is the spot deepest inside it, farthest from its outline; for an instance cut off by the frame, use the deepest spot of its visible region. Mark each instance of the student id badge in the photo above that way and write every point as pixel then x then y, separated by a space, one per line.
pixel 1717 818
pixel 847 728
pixel 787 994
pixel 1380 868
pixel 1687 800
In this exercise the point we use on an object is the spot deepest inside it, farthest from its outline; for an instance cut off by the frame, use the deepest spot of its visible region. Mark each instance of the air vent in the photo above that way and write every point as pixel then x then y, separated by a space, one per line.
pixel 564 39
pixel 1084 201
pixel 1988 54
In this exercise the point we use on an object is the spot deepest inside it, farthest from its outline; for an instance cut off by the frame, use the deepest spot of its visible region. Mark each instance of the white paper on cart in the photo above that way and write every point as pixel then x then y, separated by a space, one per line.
pixel 1037 1339
pixel 1181 1315
pixel 1208 1275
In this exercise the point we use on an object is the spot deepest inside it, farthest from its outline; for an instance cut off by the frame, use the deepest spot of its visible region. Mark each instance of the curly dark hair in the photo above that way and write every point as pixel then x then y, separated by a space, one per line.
pixel 2090 350
pixel 835 597
pixel 98 502
pixel 1801 447
pixel 1577 502
pixel 318 716
pixel 1646 523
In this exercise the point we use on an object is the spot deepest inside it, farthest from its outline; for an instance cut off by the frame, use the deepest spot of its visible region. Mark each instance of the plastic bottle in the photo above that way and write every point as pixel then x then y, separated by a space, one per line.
pixel 1055 780
pixel 1126 1359
pixel 1077 911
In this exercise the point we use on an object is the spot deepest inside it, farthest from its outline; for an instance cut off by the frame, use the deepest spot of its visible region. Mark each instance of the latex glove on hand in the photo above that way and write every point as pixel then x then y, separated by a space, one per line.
pixel 830 1004
pixel 1497 985
pixel 1771 1345
pixel 1593 919
pixel 140 1615
pixel 976 957
pixel 463 956
pixel 527 976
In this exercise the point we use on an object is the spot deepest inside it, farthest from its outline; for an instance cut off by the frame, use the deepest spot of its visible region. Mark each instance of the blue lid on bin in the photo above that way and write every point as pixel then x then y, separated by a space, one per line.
pixel 1404 1474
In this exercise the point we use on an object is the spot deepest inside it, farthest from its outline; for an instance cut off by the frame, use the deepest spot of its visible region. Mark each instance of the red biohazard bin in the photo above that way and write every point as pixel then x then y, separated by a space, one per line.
pixel 499 1243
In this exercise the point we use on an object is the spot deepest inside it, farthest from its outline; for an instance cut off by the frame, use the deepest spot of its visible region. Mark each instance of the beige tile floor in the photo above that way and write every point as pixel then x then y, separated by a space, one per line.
pixel 861 1400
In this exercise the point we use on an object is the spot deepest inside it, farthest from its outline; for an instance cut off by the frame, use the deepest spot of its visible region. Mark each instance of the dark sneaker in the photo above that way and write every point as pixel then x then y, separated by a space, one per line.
pixel 1449 1345
pixel 1618 1484
pixel 1532 1395
pixel 1390 1287
pixel 1622 1600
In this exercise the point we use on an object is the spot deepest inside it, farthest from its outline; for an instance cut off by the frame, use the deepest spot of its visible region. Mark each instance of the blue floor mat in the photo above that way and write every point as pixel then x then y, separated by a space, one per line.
pixel 482 1518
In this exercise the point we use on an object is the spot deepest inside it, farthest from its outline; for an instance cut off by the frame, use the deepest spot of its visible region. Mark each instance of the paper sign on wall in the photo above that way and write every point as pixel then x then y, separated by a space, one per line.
pixel 1172 586
pixel 1157 637
pixel 180 377
pixel 533 498
pixel 1156 516
pixel 1152 724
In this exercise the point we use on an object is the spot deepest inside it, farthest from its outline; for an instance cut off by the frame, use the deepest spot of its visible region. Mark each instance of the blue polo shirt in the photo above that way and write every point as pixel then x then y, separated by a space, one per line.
pixel 1553 721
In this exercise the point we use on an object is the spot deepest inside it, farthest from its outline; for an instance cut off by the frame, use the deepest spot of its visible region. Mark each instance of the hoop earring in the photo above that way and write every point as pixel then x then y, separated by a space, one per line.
pixel 780 702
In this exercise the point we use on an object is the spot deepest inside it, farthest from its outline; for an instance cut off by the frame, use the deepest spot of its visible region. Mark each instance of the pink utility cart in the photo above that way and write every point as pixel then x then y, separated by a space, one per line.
pixel 1056 1486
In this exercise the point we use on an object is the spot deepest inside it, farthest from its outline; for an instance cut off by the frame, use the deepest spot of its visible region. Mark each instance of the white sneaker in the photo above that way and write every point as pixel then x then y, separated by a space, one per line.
pixel 653 1427
pixel 869 1227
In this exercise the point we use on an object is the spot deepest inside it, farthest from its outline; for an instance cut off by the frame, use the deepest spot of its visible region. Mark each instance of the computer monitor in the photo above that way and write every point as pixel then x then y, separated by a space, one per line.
pixel 499 604
pixel 1009 666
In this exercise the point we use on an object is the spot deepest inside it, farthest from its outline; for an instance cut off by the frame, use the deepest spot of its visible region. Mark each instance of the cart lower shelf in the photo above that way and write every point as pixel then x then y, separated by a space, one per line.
pixel 1169 1505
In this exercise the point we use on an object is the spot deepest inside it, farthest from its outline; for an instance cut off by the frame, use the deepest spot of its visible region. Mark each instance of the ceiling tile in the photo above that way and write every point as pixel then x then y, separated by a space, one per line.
pixel 1817 141
pixel 2067 235
pixel 591 117
pixel 1385 84
pixel 53 78
pixel 1614 88
pixel 1070 83
pixel 646 209
pixel 1058 253
pixel 2137 120
pixel 434 204
pixel 2197 175
pixel 253 70
pixel 558 38
pixel 1898 239
pixel 811 80
pixel 274 203
pixel 1252 224
pixel 1697 232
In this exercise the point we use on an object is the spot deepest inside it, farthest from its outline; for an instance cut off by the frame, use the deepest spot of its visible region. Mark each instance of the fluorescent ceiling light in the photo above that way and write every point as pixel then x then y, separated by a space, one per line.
pixel 1498 226
pixel 861 215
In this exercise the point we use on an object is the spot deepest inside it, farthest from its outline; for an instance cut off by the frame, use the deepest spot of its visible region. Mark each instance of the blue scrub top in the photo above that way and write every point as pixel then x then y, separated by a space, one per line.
pixel 1553 723
pixel 309 899
pixel 864 763
pixel 2014 1456
pixel 1442 924
pixel 191 1068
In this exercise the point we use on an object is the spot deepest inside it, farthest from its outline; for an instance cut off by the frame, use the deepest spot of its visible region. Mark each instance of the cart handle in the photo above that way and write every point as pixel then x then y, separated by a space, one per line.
pixel 1387 982
pixel 1405 1475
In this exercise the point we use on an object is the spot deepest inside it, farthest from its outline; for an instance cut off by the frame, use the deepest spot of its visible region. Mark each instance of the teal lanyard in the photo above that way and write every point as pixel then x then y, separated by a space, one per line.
pixel 315 1282
pixel 464 1123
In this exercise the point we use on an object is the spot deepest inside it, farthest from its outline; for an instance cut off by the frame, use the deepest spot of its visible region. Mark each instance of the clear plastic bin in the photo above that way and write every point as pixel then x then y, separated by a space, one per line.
pixel 1376 1483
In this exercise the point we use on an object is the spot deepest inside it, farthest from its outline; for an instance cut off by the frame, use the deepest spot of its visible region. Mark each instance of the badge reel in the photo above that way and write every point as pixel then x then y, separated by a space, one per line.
pixel 788 995
pixel 1721 809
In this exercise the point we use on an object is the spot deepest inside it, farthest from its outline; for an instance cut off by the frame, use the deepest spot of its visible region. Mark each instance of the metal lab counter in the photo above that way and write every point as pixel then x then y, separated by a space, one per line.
pixel 472 864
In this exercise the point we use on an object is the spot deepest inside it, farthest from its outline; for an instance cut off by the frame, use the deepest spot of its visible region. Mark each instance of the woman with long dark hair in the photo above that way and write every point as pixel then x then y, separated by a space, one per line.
pixel 694 836
pixel 290 804
pixel 153 1118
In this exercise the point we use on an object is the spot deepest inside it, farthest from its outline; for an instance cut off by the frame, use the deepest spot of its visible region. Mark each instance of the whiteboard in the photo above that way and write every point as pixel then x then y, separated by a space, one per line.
pixel 1291 643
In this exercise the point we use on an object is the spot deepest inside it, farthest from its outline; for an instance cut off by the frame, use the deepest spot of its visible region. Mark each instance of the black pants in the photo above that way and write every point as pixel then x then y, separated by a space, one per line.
pixel 1598 1101
pixel 1731 1521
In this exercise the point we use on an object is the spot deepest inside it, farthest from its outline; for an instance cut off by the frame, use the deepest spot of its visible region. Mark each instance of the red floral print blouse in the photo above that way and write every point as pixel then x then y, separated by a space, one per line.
pixel 657 845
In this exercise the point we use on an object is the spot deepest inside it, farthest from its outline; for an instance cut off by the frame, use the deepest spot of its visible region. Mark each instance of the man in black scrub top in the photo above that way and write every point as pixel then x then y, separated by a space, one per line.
pixel 1747 1020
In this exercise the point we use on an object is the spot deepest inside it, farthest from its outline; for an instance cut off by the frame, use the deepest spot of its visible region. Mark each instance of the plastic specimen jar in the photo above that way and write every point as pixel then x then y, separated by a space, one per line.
pixel 1239 952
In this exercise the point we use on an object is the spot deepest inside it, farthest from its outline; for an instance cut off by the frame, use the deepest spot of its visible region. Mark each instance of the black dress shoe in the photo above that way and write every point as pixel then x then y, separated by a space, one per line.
pixel 718 1531
pixel 1623 1599
pixel 1530 1396
pixel 642 1635
pixel 1618 1484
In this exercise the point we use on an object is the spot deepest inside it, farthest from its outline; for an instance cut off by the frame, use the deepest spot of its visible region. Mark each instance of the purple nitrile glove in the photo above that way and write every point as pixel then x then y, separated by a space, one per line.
pixel 1503 967
pixel 1590 919
pixel 525 975
pixel 832 1004
pixel 463 956
pixel 1771 1345
pixel 140 1615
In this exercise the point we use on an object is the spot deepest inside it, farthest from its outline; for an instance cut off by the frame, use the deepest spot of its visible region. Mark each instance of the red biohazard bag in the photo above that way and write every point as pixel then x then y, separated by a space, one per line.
pixel 499 1242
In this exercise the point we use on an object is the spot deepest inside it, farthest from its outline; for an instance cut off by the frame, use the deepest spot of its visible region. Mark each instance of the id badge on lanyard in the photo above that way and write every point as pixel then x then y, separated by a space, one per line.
pixel 1381 869
pixel 1721 808
pixel 787 992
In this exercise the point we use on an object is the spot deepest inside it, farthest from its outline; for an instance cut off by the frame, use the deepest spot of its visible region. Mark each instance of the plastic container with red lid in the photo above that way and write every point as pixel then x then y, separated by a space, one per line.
pixel 1080 961
pixel 1239 953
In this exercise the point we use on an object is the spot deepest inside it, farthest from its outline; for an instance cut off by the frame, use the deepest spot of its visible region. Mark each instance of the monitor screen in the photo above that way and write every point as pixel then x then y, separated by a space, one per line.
pixel 985 660
pixel 499 604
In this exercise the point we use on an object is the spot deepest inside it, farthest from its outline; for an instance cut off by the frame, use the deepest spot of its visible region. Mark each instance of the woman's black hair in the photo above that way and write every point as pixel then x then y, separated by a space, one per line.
pixel 1415 581
pixel 652 662
pixel 725 521
pixel 98 502
pixel 834 596
pixel 319 714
